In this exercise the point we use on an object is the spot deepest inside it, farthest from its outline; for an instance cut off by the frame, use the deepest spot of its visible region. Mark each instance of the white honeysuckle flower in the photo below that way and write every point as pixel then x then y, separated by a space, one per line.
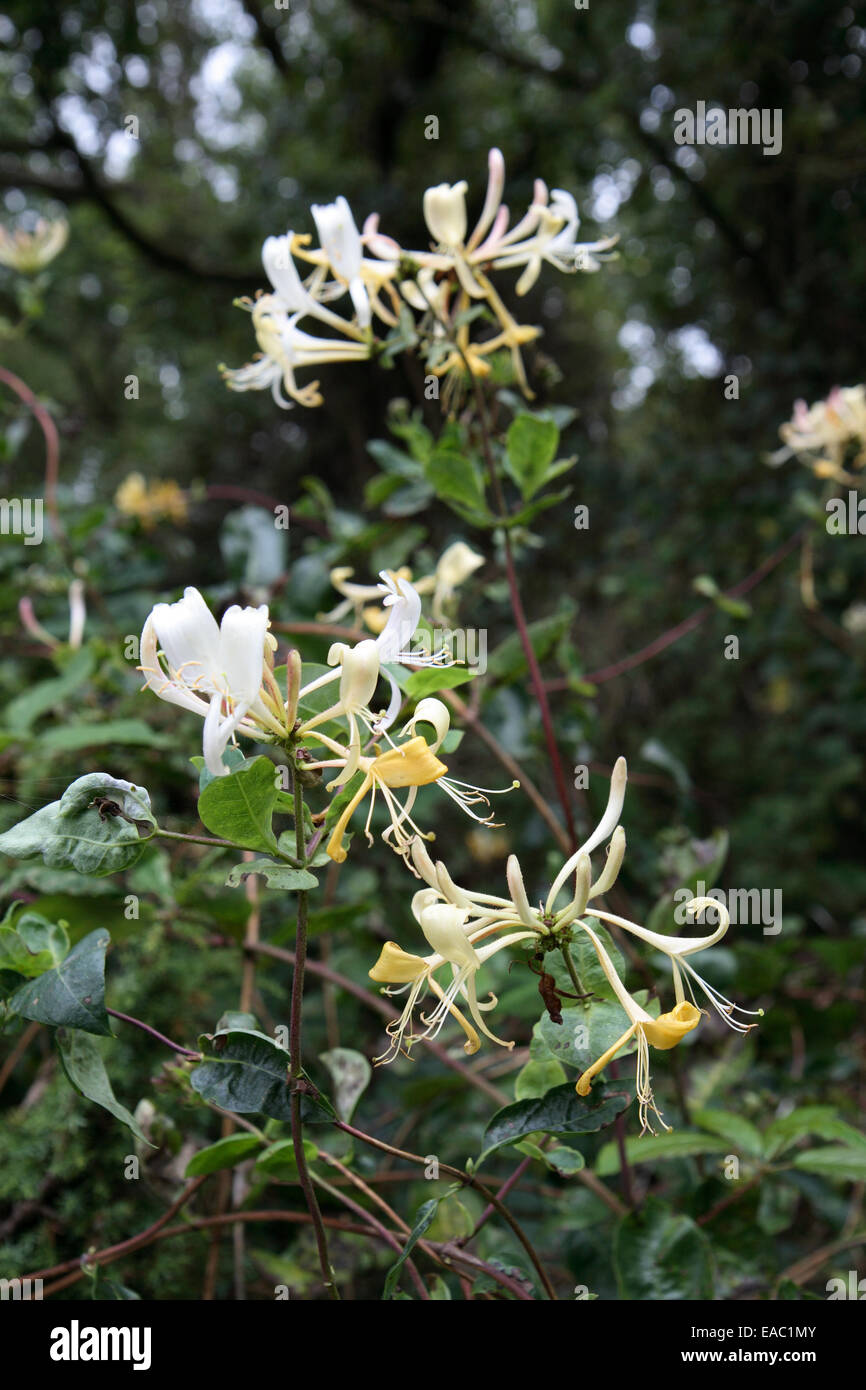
pixel 456 563
pixel 359 675
pixel 676 948
pixel 77 613
pixel 394 641
pixel 218 672
pixel 603 830
pixel 445 214
pixel 443 928
pixel 492 199
pixel 286 347
pixel 821 434
pixel 341 242
pixel 663 1033
pixel 555 242
pixel 297 297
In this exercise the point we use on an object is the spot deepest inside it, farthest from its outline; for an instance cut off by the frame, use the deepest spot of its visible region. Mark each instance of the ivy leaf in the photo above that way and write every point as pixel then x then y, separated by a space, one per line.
pixel 275 875
pixel 240 807
pixel 661 1255
pixel 560 1111
pixel 247 1072
pixel 85 1070
pixel 72 995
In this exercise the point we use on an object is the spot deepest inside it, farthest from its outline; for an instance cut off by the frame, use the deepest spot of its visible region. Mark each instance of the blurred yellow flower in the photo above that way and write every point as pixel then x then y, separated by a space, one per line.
pixel 158 500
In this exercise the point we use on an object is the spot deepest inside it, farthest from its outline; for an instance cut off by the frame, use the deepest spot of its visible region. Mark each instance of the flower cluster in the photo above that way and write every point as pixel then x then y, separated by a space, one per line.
pixel 225 673
pixel 825 435
pixel 434 288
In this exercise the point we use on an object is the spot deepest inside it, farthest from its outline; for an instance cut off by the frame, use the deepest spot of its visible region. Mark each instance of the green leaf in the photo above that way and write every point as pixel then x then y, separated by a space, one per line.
pixel 836 1161
pixel 225 1153
pixel 73 994
pixel 560 1111
pixel 247 1073
pixel 508 661
pixel 456 478
pixel 531 445
pixel 85 1070
pixel 660 1255
pixel 537 1078
pixel 423 1221
pixel 655 1148
pixel 777 1206
pixel 423 683
pixel 275 875
pixel 278 1161
pixel 737 1132
pixel 73 832
pixel 563 1160
pixel 32 945
pixel 68 738
pixel 585 1032
pixel 240 807
pixel 820 1120
pixel 25 709
pixel 351 1074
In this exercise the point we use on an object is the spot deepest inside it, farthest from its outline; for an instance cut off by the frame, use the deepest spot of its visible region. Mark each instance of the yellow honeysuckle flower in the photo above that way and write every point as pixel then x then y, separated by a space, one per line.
pixel 443 928
pixel 150 502
pixel 663 1032
pixel 412 764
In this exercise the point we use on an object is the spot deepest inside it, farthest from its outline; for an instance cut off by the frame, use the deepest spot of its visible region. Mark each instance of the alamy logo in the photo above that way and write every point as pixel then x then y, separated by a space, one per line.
pixel 76 1343
pixel 855 1287
pixel 746 906
pixel 22 516
pixel 21 1290
pixel 739 126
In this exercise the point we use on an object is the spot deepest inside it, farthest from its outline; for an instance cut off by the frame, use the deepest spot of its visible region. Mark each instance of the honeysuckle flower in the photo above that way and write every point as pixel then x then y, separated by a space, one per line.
pixel 359 676
pixel 445 214
pixel 403 603
pixel 821 435
pixel 341 243
pixel 29 252
pixel 297 297
pixel 284 348
pixel 678 948
pixel 77 613
pixel 412 764
pixel 444 930
pixel 434 712
pixel 555 242
pixel 453 568
pixel 663 1033
pixel 219 672
pixel 357 596
pixel 151 502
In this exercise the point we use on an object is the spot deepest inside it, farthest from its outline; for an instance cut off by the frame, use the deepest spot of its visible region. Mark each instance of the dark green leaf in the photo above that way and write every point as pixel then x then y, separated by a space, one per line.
pixel 73 994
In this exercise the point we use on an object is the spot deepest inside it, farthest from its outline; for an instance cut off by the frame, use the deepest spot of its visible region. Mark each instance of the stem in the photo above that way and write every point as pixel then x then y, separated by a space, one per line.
pixel 520 621
pixel 464 1177
pixel 570 967
pixel 296 1067
pixel 146 1028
